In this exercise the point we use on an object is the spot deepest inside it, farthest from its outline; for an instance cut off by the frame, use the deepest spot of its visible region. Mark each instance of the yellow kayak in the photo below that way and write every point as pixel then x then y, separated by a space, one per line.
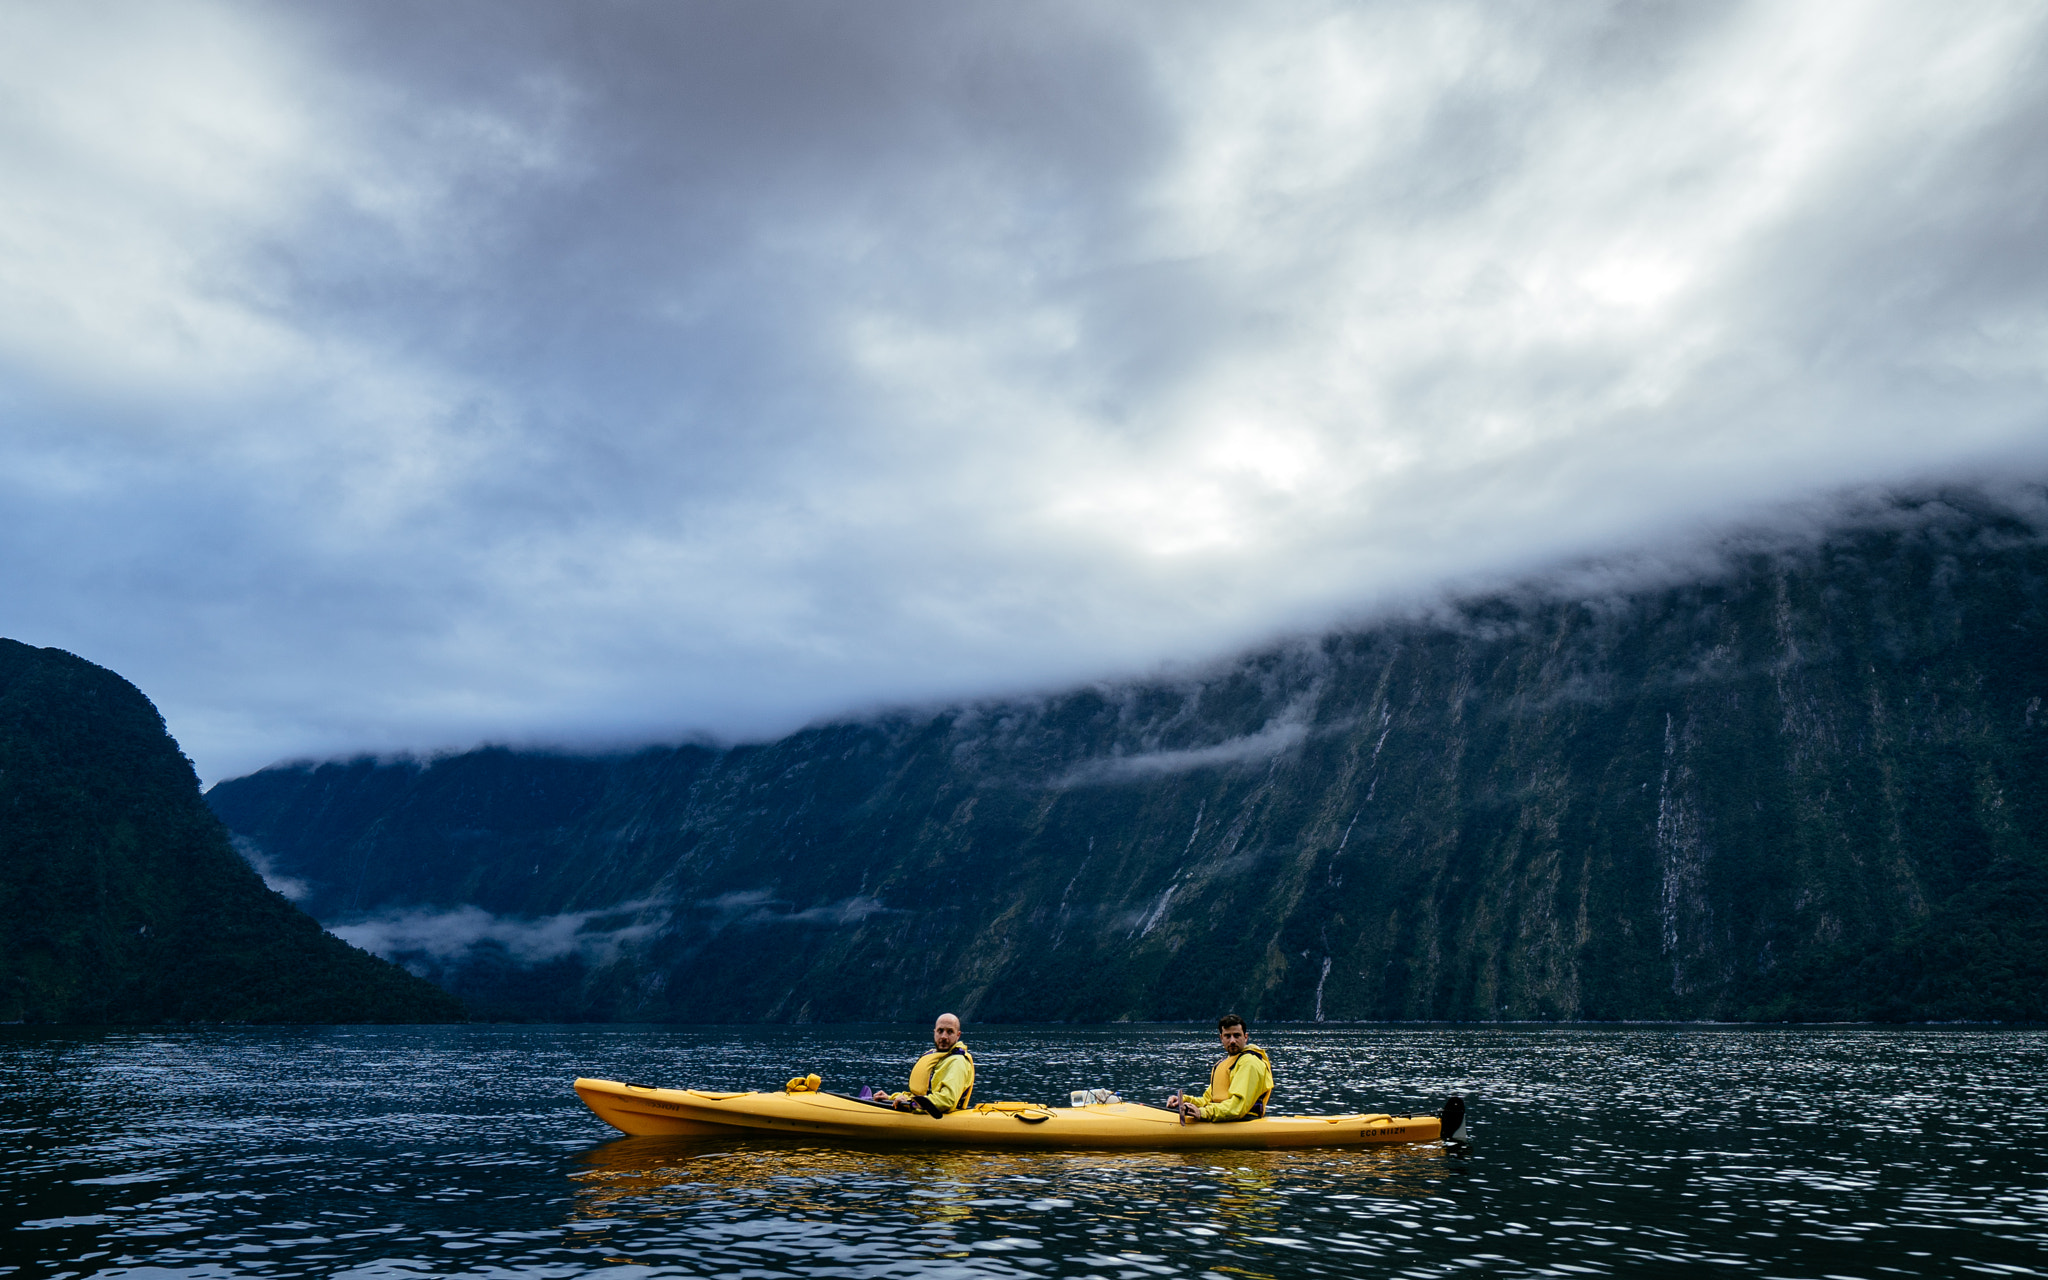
pixel 644 1111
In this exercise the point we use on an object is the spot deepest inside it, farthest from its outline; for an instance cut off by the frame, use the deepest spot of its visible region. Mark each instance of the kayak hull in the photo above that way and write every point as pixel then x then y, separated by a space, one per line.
pixel 643 1111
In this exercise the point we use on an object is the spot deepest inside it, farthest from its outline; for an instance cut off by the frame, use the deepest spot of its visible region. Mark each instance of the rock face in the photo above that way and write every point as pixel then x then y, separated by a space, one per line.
pixel 1812 784
pixel 120 897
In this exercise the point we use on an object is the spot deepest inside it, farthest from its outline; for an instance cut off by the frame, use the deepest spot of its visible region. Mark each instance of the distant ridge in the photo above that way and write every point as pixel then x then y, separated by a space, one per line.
pixel 121 900
pixel 1810 784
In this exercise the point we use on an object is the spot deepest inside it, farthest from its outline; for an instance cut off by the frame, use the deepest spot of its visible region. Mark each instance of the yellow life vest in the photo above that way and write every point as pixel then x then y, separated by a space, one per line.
pixel 1219 1081
pixel 921 1074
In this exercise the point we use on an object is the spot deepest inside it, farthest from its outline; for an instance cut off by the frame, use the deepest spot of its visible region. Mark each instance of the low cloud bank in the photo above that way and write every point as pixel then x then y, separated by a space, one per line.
pixel 252 853
pixel 760 907
pixel 1284 732
pixel 450 934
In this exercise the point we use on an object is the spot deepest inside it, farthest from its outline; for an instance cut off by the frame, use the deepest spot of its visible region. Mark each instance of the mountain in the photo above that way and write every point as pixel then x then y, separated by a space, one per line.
pixel 121 900
pixel 1811 782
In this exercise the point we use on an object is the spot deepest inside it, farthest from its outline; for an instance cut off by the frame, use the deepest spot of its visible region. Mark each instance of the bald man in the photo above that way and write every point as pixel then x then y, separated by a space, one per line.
pixel 943 1080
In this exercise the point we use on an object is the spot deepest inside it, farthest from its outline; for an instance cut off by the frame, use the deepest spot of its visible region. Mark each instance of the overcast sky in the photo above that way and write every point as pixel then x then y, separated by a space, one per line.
pixel 387 376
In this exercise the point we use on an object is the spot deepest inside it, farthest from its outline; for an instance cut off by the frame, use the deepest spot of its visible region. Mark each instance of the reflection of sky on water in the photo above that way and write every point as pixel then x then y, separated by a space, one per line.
pixel 233 1153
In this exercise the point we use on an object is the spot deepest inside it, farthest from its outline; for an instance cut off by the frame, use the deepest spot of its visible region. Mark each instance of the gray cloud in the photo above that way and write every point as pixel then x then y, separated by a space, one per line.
pixel 761 907
pixel 446 935
pixel 252 853
pixel 384 377
pixel 1284 732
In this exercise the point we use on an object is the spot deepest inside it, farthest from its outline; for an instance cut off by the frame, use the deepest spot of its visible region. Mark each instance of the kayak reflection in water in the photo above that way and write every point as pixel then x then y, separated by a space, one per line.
pixel 1238 1086
pixel 941 1081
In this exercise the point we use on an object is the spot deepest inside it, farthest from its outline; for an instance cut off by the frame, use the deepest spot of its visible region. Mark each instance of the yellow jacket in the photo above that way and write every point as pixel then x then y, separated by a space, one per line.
pixel 1238 1087
pixel 944 1080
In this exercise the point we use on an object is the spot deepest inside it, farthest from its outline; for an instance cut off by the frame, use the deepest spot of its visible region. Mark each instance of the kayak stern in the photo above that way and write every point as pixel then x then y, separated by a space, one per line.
pixel 642 1111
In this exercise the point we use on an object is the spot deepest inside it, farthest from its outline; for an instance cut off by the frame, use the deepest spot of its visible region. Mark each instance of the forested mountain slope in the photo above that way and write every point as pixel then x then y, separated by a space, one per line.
pixel 120 897
pixel 1810 784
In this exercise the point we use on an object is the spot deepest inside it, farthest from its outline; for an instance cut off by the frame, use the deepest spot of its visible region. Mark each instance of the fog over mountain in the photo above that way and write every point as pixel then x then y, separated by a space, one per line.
pixel 381 377
pixel 1811 784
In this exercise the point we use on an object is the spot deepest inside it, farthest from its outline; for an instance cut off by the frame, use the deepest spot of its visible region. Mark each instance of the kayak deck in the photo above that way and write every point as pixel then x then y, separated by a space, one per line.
pixel 645 1111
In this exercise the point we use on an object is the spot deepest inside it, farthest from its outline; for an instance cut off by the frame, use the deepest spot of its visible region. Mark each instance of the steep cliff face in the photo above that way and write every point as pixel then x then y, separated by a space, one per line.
pixel 120 898
pixel 1811 785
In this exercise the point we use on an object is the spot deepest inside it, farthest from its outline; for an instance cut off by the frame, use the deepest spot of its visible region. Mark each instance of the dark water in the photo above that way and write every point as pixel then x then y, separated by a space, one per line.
pixel 461 1152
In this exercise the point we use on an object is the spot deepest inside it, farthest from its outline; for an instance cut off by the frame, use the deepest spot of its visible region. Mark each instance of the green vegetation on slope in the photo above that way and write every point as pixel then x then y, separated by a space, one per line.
pixel 121 900
pixel 1982 956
